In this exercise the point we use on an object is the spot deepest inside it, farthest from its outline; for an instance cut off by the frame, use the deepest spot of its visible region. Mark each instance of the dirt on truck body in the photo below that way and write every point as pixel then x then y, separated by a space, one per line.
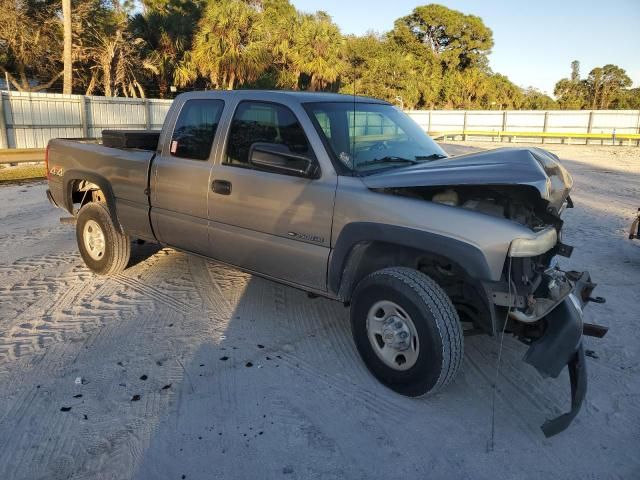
pixel 349 199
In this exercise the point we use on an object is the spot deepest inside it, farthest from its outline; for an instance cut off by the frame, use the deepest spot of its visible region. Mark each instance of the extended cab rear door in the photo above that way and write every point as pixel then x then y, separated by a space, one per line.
pixel 275 224
pixel 180 175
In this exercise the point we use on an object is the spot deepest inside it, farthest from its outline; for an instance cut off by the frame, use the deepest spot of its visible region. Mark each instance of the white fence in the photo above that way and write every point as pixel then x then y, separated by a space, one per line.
pixel 30 120
pixel 535 121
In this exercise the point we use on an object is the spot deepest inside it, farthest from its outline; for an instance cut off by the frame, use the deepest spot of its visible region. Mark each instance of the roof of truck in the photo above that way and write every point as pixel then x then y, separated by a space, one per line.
pixel 302 97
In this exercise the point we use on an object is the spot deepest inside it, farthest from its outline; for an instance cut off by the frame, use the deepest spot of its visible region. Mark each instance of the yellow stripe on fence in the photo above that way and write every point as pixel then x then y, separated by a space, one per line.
pixel 496 133
pixel 21 155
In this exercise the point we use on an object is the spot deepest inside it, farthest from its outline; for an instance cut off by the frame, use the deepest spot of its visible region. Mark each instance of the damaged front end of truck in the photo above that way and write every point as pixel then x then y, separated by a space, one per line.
pixel 544 306
pixel 535 300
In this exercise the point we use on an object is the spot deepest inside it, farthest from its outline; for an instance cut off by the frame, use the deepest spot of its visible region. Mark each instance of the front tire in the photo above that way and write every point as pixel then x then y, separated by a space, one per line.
pixel 406 331
pixel 104 249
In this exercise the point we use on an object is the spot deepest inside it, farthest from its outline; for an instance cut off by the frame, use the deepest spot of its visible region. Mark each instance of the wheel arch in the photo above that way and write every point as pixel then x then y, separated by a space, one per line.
pixel 362 246
pixel 459 268
pixel 73 178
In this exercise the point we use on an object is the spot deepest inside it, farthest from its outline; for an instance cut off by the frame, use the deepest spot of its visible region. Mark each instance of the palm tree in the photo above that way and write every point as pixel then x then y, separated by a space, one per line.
pixel 319 47
pixel 227 48
pixel 167 29
pixel 117 64
pixel 278 26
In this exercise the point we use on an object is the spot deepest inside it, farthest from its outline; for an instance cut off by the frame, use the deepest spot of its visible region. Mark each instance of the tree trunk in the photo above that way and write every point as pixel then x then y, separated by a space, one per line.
pixel 67 87
pixel 296 75
pixel 232 79
pixel 163 87
pixel 92 85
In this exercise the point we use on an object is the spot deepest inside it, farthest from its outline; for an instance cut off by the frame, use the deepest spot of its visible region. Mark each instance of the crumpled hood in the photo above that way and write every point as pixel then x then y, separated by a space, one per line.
pixel 532 167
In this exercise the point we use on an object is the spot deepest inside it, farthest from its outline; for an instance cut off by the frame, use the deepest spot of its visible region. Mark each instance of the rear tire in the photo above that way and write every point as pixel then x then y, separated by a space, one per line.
pixel 406 331
pixel 104 249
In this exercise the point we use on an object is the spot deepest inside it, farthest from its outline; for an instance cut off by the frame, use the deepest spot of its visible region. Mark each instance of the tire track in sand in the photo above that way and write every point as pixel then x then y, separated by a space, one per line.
pixel 305 325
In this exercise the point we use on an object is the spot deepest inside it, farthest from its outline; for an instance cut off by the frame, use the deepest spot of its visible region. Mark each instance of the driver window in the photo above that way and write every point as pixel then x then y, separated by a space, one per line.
pixel 263 122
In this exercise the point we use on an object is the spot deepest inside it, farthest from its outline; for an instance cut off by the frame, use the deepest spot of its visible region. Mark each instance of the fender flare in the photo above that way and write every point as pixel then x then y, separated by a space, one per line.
pixel 355 237
pixel 71 176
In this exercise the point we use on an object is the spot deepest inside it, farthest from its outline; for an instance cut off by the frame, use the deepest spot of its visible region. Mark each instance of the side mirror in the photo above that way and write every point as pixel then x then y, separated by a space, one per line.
pixel 278 158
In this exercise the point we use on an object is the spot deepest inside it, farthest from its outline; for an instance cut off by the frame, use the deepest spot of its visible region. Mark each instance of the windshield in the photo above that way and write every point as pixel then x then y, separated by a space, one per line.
pixel 366 137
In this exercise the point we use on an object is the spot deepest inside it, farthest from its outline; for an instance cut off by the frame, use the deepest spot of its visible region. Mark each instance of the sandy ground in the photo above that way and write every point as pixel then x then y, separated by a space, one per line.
pixel 192 370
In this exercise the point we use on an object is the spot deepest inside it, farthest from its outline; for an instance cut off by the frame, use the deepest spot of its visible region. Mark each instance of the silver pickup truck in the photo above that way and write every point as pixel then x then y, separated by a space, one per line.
pixel 347 198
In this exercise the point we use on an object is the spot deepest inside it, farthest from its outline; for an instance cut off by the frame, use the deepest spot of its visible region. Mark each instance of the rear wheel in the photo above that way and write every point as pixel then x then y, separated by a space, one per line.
pixel 406 330
pixel 104 249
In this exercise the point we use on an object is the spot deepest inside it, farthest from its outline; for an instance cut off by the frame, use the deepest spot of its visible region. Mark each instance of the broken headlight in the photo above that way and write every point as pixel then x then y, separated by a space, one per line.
pixel 543 241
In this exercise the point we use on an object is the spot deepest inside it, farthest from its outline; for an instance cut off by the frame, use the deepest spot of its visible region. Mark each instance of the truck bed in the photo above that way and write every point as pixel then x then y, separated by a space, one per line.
pixel 125 173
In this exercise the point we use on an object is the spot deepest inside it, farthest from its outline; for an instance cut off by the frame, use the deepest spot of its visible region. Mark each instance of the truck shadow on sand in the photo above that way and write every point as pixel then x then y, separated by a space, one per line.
pixel 272 384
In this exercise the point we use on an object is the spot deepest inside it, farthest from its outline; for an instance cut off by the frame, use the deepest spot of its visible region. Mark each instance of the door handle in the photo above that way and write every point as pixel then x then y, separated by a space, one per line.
pixel 221 187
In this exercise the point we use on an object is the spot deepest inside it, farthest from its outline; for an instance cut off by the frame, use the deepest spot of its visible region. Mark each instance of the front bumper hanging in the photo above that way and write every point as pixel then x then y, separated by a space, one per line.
pixel 561 345
pixel 578 380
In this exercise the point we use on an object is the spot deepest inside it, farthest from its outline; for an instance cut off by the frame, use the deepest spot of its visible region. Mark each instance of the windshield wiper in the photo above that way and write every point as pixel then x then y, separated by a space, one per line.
pixel 387 159
pixel 433 156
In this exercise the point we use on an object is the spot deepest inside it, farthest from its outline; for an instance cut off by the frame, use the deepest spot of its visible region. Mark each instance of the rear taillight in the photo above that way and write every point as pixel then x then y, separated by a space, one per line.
pixel 46 161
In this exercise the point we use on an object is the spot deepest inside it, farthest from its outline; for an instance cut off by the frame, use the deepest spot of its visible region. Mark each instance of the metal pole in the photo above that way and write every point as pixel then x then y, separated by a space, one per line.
pixel 504 123
pixel 83 116
pixel 4 139
pixel 544 126
pixel 464 127
pixel 147 114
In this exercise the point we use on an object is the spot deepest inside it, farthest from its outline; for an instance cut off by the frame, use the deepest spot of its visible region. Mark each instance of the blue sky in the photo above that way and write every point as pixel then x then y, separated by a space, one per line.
pixel 534 41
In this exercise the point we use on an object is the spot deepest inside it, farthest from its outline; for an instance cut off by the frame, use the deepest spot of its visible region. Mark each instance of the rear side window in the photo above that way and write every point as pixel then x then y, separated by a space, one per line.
pixel 195 129
pixel 263 122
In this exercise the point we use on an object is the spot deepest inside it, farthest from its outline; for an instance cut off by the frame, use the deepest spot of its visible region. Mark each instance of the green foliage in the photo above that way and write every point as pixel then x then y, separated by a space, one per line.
pixel 571 94
pixel 536 100
pixel 457 40
pixel 434 57
pixel 229 48
pixel 605 87
pixel 379 67
pixel 166 26
pixel 318 51
pixel 502 94
pixel 575 71
pixel 627 99
pixel 30 43
pixel 279 26
pixel 605 84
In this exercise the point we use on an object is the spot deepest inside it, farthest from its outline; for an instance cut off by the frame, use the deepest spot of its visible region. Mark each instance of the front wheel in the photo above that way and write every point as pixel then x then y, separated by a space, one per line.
pixel 406 330
pixel 104 249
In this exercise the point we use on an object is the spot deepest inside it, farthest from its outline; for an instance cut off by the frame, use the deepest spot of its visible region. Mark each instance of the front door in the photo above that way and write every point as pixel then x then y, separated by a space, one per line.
pixel 275 224
pixel 180 177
